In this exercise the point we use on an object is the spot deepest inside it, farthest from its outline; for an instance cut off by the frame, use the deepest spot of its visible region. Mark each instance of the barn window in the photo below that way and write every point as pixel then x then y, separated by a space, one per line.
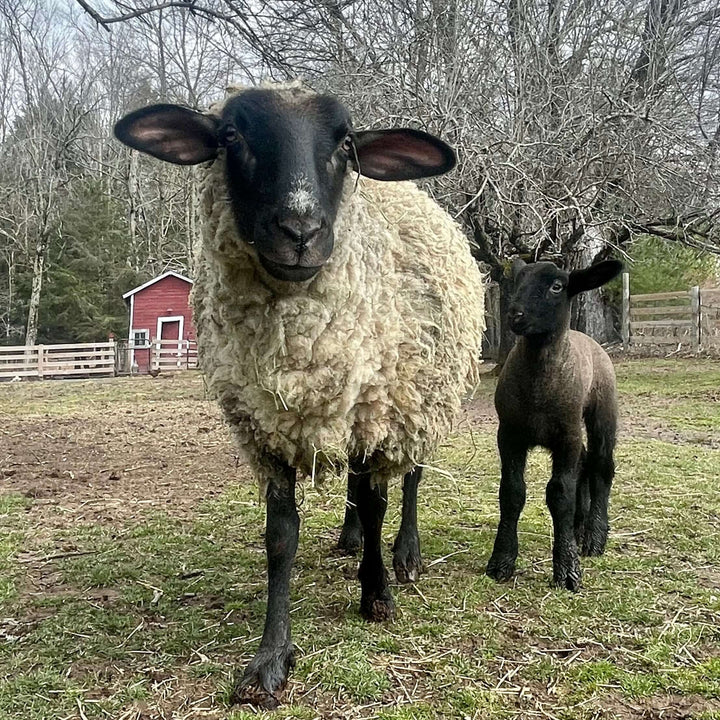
pixel 141 338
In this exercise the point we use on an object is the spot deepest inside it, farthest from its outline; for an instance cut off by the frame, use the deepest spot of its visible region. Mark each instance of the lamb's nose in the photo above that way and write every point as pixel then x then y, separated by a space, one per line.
pixel 302 229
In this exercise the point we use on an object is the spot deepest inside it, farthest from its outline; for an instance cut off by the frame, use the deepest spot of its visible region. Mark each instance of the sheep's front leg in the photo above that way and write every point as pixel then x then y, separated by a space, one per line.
pixel 513 456
pixel 268 670
pixel 560 495
pixel 351 537
pixel 376 602
pixel 407 560
pixel 582 499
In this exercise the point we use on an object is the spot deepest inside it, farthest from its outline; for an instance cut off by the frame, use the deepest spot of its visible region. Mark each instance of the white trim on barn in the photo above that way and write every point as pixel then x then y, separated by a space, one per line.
pixel 130 293
pixel 130 331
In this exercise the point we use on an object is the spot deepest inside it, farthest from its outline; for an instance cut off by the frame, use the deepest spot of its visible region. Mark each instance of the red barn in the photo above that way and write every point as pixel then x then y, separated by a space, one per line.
pixel 159 310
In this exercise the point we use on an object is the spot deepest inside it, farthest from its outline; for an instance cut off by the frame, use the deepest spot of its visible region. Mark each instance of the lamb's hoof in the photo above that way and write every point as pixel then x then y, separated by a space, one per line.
pixel 264 678
pixel 500 568
pixel 407 560
pixel 377 607
pixel 594 543
pixel 568 575
pixel 350 541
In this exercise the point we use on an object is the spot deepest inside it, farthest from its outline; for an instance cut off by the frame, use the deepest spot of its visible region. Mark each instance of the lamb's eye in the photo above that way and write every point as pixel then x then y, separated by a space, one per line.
pixel 556 287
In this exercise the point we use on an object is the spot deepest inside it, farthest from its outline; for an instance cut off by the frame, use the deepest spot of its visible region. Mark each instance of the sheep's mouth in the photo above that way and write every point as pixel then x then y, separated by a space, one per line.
pixel 289 273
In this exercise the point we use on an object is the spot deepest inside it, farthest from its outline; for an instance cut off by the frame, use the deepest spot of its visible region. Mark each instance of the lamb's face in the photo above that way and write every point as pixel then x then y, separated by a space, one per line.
pixel 286 159
pixel 540 302
pixel 286 152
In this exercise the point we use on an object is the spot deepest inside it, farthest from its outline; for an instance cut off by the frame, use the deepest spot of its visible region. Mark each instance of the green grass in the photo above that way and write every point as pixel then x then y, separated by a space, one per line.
pixel 148 614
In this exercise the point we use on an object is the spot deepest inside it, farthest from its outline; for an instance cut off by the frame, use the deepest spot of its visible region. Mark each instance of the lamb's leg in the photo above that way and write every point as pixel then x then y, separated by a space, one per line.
pixel 407 560
pixel 268 670
pixel 513 456
pixel 582 500
pixel 560 495
pixel 376 602
pixel 601 428
pixel 351 537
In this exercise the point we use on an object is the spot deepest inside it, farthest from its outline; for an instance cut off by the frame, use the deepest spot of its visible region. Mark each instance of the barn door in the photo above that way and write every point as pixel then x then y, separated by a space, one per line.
pixel 169 345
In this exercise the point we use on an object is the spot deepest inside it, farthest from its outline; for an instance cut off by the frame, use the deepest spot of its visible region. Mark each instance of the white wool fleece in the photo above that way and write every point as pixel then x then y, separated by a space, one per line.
pixel 370 358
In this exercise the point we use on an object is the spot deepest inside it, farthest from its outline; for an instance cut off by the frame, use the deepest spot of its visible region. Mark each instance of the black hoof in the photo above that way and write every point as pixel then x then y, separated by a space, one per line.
pixel 350 541
pixel 264 678
pixel 594 543
pixel 378 607
pixel 500 568
pixel 568 576
pixel 407 560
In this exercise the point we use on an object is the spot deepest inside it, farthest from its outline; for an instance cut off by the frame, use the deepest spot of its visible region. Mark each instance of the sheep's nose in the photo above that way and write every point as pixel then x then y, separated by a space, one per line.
pixel 302 229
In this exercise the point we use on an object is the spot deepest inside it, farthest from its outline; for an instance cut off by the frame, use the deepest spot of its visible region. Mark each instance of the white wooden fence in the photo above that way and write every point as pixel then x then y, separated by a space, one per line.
pixel 58 361
pixel 689 318
pixel 101 359
pixel 174 355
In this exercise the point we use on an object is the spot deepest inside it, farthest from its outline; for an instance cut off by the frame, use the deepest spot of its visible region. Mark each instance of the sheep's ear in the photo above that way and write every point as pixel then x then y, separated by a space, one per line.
pixel 593 277
pixel 402 154
pixel 172 133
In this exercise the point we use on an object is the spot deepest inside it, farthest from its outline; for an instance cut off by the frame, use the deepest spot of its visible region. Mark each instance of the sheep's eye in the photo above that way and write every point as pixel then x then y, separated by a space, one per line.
pixel 230 135
pixel 556 287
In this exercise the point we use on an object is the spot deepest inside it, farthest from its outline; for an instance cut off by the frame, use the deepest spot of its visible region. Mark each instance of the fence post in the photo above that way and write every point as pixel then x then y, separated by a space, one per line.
pixel 695 312
pixel 113 351
pixel 626 310
pixel 41 358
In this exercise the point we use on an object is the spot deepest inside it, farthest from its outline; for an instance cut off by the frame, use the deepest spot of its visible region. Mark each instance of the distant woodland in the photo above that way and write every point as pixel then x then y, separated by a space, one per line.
pixel 583 127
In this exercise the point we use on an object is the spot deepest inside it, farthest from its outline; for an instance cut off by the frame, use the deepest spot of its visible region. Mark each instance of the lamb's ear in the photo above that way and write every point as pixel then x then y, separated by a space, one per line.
pixel 517 265
pixel 402 154
pixel 593 277
pixel 172 133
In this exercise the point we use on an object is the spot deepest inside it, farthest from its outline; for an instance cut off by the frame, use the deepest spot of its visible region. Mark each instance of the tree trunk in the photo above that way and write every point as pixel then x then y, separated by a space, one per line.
pixel 507 337
pixel 588 309
pixel 35 293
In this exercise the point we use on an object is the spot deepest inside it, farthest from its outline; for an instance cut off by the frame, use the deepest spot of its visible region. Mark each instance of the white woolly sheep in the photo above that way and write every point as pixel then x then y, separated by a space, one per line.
pixel 554 380
pixel 339 318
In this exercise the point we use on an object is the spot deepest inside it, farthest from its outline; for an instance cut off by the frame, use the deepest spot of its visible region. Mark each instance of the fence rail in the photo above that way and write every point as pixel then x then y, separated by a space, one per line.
pixel 47 361
pixel 101 359
pixel 174 355
pixel 689 318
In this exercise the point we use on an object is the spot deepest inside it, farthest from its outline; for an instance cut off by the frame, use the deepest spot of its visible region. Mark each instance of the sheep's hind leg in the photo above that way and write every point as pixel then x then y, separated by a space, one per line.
pixel 513 456
pixel 407 560
pixel 376 602
pixel 268 670
pixel 560 495
pixel 601 427
pixel 351 537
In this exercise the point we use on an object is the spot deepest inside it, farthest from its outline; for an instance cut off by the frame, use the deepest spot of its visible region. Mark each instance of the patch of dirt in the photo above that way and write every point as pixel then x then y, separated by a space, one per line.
pixel 633 426
pixel 478 413
pixel 658 707
pixel 103 467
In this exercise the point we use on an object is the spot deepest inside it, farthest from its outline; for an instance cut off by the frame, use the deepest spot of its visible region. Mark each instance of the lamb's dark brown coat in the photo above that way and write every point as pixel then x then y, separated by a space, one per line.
pixel 554 382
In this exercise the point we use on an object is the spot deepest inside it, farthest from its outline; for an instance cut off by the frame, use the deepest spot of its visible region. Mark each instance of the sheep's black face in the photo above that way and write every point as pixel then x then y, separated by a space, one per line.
pixel 287 152
pixel 540 303
pixel 286 163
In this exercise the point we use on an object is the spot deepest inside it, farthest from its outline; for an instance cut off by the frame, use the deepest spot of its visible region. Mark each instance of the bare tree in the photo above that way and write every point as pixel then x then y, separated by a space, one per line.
pixel 579 123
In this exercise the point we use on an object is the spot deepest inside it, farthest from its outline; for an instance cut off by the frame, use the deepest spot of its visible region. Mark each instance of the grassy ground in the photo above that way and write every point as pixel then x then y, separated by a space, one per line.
pixel 132 569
